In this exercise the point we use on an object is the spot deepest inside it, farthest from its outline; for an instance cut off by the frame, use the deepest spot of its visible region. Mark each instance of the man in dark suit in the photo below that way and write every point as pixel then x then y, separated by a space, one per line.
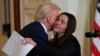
pixel 45 18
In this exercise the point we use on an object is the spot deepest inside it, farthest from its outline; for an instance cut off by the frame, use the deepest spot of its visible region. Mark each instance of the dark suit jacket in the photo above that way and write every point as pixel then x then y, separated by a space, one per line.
pixel 70 47
pixel 36 32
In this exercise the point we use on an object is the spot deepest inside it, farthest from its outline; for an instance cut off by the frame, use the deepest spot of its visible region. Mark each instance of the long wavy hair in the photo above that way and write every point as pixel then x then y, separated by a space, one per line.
pixel 71 26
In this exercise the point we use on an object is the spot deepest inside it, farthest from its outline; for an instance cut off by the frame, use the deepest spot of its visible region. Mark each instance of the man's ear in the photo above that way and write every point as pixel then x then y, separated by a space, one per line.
pixel 49 19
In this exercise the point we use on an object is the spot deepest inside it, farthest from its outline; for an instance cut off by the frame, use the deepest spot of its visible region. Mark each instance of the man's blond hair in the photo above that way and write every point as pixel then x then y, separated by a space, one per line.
pixel 45 10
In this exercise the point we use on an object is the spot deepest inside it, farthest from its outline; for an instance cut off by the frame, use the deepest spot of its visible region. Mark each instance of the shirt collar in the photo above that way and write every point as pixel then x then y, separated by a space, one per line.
pixel 44 27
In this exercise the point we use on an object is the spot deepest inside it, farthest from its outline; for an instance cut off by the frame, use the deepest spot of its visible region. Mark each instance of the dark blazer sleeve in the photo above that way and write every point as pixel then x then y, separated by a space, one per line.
pixel 35 31
pixel 69 48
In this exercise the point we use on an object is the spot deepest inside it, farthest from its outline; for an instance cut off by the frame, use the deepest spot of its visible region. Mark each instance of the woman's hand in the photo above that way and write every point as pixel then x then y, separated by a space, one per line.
pixel 28 41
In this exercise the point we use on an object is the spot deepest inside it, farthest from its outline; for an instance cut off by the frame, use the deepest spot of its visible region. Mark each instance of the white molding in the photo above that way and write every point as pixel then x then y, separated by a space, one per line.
pixel 73 6
pixel 61 3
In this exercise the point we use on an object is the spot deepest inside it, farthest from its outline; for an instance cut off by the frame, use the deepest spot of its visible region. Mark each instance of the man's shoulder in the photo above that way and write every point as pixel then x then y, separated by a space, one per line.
pixel 33 25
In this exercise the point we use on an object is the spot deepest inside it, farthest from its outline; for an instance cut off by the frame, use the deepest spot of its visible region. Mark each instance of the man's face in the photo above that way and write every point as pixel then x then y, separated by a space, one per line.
pixel 53 17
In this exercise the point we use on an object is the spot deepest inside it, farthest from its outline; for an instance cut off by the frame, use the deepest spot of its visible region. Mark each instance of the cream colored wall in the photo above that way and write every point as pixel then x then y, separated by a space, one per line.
pixel 12 15
pixel 84 12
pixel 2 15
pixel 3 38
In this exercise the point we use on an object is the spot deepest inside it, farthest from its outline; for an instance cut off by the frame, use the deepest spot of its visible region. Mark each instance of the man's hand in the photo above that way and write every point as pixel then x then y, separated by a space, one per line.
pixel 28 41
